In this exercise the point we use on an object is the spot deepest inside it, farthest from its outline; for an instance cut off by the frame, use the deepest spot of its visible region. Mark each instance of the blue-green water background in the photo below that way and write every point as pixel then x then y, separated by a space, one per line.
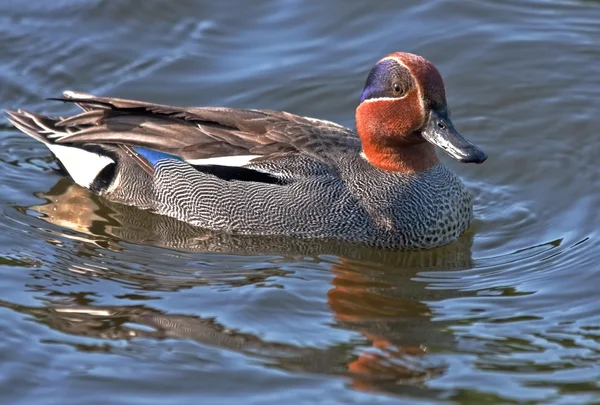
pixel 102 304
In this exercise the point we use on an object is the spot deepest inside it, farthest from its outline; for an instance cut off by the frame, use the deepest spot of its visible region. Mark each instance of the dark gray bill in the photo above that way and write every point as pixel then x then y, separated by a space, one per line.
pixel 441 132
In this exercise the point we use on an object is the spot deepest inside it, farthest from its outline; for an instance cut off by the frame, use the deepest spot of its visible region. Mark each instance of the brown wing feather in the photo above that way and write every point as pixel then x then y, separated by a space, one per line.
pixel 201 132
pixel 144 164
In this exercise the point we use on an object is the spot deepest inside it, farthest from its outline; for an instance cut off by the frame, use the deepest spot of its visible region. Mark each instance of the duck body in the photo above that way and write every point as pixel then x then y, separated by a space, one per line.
pixel 419 210
pixel 257 172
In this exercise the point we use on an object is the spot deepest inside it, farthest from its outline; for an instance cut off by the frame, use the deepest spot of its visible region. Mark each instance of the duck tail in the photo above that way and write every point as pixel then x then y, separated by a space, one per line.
pixel 83 163
pixel 37 126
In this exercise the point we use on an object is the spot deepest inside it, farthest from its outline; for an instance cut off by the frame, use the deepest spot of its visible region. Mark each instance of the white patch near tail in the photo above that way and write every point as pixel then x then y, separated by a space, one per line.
pixel 233 161
pixel 76 94
pixel 83 166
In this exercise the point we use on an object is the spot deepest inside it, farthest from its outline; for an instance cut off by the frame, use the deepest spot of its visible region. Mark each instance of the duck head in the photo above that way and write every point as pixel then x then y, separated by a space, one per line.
pixel 403 113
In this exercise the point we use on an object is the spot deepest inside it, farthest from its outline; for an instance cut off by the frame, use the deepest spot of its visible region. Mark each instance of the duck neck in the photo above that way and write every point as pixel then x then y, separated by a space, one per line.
pixel 402 158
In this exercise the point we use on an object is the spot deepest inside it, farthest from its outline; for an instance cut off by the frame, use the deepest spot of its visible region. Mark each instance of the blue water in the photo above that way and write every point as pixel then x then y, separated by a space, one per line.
pixel 103 304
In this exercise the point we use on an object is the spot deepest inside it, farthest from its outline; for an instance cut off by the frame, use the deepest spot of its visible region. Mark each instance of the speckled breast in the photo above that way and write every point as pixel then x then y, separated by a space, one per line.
pixel 413 211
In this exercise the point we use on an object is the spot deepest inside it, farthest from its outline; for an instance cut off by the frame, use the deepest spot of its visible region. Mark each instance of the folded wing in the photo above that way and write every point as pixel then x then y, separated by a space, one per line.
pixel 195 133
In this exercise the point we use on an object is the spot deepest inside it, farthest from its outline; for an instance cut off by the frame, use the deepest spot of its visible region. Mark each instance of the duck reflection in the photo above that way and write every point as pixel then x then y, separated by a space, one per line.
pixel 372 293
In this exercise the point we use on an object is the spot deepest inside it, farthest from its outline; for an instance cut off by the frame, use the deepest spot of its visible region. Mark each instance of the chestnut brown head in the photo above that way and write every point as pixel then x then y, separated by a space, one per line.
pixel 403 113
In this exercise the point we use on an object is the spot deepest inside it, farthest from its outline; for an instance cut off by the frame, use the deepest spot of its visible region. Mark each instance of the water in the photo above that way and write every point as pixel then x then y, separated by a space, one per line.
pixel 105 304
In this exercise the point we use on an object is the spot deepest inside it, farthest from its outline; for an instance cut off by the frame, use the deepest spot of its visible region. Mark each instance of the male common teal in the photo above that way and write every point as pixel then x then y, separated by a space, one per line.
pixel 262 172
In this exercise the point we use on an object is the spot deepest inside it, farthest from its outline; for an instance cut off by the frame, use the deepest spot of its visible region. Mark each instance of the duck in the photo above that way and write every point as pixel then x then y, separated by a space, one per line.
pixel 272 173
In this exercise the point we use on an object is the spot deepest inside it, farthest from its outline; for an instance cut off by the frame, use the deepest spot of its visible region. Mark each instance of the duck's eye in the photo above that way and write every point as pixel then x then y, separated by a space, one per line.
pixel 398 89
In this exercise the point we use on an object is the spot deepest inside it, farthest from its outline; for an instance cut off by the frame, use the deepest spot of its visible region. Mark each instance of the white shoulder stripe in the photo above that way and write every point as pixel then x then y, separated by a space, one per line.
pixel 82 166
pixel 233 161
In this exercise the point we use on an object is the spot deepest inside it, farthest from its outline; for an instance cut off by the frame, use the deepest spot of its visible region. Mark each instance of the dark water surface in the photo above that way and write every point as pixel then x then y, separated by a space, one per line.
pixel 103 304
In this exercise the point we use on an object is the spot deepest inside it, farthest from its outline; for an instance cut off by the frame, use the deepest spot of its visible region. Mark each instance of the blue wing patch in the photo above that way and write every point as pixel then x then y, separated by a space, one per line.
pixel 152 156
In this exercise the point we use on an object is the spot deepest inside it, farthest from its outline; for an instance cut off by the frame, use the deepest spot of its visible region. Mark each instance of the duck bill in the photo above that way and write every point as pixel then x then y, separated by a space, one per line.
pixel 441 132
